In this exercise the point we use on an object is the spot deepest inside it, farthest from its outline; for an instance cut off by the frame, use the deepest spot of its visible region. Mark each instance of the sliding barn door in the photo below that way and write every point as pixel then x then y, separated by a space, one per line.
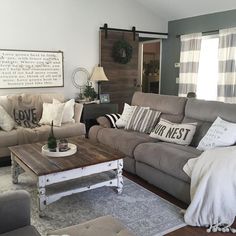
pixel 122 77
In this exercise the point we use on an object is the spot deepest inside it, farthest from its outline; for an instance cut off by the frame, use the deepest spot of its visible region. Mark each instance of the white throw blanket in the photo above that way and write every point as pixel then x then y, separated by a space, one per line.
pixel 213 189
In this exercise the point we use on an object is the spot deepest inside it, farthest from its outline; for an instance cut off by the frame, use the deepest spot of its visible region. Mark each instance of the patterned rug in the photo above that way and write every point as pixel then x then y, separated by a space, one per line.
pixel 140 210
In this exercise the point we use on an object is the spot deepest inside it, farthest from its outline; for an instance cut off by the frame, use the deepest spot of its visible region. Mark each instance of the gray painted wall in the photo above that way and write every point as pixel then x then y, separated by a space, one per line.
pixel 171 46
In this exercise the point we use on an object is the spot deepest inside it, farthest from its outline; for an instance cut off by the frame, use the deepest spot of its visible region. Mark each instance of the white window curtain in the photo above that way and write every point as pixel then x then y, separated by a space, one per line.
pixel 226 89
pixel 189 63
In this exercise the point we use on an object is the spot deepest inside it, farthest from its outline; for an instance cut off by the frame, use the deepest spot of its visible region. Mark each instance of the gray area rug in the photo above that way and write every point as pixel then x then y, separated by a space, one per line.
pixel 140 210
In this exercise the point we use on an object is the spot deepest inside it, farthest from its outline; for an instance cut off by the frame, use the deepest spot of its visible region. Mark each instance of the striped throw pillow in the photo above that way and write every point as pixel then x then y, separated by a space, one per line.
pixel 143 120
pixel 113 118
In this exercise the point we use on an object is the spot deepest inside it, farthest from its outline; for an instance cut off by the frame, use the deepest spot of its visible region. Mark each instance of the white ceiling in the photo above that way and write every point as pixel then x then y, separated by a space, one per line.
pixel 178 9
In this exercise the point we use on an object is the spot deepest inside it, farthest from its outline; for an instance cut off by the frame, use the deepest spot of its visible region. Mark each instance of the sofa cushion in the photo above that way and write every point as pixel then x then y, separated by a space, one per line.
pixel 210 110
pixel 8 139
pixel 25 231
pixel 69 130
pixel 26 135
pixel 167 157
pixel 124 141
pixel 171 107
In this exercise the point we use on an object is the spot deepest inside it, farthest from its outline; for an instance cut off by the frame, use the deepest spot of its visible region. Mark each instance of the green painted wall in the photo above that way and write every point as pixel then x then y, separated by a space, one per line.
pixel 171 46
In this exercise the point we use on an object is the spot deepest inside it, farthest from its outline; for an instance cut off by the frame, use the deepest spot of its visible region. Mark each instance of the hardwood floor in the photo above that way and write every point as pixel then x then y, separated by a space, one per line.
pixel 185 231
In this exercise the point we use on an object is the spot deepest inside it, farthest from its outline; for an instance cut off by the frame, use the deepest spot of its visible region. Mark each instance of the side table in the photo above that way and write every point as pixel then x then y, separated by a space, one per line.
pixel 92 111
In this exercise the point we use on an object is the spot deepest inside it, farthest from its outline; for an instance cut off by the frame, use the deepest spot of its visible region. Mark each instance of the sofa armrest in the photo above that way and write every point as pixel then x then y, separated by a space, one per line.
pixel 14 210
pixel 104 122
pixel 93 132
pixel 78 112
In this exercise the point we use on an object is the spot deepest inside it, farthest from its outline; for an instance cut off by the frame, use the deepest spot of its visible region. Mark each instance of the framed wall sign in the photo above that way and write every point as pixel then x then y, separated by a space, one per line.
pixel 31 69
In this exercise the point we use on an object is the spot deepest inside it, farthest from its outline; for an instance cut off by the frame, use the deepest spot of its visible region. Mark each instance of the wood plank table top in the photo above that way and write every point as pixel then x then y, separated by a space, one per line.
pixel 88 153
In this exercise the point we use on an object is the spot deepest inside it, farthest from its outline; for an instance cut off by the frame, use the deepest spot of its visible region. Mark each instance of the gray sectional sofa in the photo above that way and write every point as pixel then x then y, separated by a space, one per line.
pixel 161 163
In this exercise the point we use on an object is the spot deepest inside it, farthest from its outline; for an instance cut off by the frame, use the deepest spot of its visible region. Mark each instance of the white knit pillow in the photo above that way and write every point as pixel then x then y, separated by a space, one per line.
pixel 125 117
pixel 174 133
pixel 52 112
pixel 6 122
pixel 221 134
pixel 69 110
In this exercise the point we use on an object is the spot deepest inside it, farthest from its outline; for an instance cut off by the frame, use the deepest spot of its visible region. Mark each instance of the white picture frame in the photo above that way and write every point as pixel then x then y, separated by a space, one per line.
pixel 104 98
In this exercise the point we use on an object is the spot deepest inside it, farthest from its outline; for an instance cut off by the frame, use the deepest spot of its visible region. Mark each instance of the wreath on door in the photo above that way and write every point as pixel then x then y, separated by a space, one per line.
pixel 122 52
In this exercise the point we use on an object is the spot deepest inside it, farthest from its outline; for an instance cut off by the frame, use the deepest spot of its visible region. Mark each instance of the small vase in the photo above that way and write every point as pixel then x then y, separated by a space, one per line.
pixel 52 141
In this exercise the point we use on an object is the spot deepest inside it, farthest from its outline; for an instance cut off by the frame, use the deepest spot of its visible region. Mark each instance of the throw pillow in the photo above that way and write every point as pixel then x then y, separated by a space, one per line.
pixel 125 116
pixel 69 110
pixel 174 133
pixel 26 110
pixel 221 134
pixel 6 122
pixel 112 118
pixel 52 112
pixel 143 120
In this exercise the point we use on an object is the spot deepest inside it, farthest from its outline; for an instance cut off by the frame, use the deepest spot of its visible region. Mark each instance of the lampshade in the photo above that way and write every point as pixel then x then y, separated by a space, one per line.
pixel 98 74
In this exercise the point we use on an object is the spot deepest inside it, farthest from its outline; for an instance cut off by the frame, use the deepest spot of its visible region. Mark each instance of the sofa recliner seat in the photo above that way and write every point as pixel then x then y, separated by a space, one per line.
pixel 124 141
pixel 167 157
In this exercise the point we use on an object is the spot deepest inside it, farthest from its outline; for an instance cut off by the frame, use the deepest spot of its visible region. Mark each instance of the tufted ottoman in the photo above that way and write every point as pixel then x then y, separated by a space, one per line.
pixel 102 226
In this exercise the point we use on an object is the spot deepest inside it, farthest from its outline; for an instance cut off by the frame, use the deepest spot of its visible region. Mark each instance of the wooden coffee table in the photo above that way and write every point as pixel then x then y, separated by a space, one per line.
pixel 91 158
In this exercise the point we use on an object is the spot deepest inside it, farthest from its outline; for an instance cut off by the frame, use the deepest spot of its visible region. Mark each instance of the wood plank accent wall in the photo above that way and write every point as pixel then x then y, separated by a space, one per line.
pixel 122 78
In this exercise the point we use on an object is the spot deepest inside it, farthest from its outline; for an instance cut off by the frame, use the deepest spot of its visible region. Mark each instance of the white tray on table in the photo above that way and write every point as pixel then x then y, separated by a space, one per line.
pixel 72 150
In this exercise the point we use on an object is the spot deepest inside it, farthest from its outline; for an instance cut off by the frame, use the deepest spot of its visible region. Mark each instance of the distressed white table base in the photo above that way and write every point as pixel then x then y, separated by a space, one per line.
pixel 46 180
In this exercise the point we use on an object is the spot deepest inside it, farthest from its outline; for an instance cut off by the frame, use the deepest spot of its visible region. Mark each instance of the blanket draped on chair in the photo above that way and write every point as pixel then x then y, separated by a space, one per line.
pixel 213 189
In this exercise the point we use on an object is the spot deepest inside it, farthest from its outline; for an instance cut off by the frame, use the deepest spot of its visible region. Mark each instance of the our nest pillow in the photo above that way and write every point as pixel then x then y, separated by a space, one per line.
pixel 174 133
pixel 221 134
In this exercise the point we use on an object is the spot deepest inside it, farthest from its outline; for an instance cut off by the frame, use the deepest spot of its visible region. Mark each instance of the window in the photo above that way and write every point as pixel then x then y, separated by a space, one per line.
pixel 208 69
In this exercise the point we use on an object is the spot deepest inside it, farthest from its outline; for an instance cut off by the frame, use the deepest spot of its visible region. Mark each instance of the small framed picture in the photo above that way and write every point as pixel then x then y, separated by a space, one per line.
pixel 104 98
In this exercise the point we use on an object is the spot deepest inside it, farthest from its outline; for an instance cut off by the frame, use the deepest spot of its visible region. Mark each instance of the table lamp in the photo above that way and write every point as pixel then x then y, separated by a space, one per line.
pixel 98 75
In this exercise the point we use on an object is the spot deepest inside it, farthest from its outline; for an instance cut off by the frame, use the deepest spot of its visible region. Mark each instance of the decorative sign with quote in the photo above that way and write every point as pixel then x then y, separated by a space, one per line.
pixel 31 69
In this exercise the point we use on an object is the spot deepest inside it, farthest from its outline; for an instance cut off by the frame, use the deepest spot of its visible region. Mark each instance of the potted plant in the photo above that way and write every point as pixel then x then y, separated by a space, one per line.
pixel 89 92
